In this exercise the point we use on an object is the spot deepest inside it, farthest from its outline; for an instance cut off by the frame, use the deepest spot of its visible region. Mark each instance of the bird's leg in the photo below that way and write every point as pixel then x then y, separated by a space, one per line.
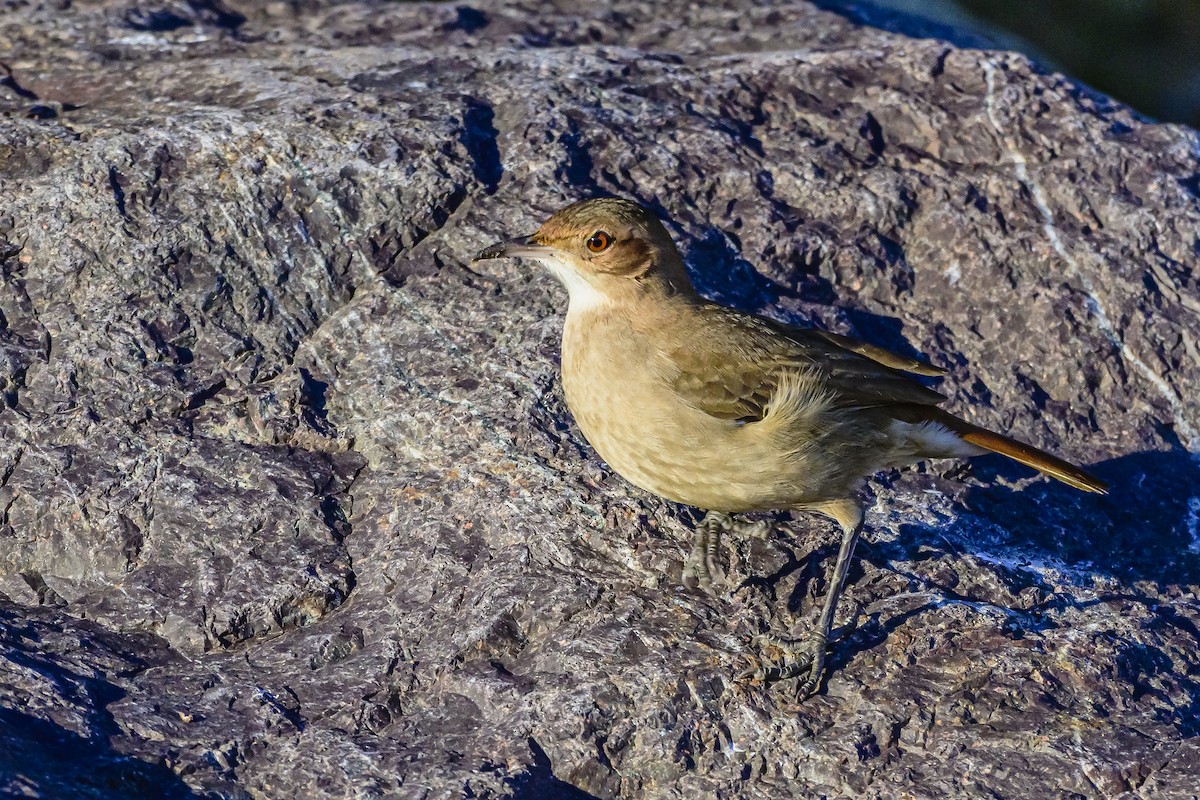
pixel 806 659
pixel 701 568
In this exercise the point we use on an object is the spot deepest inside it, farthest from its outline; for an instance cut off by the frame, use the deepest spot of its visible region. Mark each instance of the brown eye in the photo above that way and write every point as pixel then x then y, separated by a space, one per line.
pixel 599 242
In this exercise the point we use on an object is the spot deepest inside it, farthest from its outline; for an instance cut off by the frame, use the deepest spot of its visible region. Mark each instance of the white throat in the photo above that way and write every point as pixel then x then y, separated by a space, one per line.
pixel 583 296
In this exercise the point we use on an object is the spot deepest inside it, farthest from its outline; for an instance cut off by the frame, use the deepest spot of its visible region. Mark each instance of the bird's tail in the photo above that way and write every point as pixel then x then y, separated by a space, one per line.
pixel 1020 452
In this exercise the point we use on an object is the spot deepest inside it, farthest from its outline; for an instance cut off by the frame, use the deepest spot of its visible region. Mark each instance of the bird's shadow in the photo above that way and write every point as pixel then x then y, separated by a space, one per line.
pixel 1143 532
pixel 1146 529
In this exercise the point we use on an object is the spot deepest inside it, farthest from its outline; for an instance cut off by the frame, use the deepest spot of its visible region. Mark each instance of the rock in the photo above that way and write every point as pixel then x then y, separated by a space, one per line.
pixel 292 503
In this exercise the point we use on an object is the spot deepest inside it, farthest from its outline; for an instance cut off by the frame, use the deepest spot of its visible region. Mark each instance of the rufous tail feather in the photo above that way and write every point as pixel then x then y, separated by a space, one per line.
pixel 1020 452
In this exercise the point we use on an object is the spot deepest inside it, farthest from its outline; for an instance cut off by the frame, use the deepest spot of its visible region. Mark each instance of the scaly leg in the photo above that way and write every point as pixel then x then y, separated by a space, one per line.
pixel 806 659
pixel 701 568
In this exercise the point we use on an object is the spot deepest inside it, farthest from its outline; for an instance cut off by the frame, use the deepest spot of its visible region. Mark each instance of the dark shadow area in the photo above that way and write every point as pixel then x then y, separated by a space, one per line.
pixel 314 395
pixel 167 17
pixel 540 783
pixel 866 636
pixel 470 19
pixel 904 23
pixel 1142 530
pixel 479 137
pixel 576 171
pixel 41 759
pixel 719 272
pixel 814 570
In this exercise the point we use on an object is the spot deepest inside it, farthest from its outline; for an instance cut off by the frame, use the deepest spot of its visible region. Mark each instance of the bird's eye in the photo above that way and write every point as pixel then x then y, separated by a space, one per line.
pixel 599 241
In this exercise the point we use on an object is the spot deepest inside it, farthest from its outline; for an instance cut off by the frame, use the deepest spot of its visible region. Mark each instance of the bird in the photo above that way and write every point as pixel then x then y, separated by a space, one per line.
pixel 730 412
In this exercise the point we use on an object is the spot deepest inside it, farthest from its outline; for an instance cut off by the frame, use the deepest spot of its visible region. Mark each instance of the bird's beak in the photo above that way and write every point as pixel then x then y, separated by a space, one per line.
pixel 523 247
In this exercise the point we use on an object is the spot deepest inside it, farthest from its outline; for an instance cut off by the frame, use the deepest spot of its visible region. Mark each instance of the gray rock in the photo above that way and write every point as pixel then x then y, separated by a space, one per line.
pixel 292 505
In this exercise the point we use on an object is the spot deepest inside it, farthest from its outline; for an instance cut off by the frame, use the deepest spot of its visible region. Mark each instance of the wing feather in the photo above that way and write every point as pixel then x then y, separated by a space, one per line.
pixel 733 376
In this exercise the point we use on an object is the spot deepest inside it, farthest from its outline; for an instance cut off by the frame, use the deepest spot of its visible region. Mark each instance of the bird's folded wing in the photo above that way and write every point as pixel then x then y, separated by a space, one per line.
pixel 734 373
pixel 877 354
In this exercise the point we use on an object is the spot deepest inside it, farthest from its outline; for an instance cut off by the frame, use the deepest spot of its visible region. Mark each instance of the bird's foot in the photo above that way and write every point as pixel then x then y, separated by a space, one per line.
pixel 758 530
pixel 803 659
pixel 703 568
pixel 797 658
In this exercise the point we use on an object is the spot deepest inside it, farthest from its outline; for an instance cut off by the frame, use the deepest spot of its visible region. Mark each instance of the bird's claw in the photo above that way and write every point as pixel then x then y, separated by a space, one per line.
pixel 703 569
pixel 804 659
pixel 701 572
pixel 758 530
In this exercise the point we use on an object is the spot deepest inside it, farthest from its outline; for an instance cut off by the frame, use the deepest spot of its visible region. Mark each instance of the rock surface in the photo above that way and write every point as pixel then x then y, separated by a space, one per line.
pixel 292 505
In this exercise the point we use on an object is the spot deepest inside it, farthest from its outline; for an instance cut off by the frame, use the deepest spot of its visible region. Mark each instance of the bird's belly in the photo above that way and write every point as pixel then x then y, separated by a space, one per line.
pixel 685 455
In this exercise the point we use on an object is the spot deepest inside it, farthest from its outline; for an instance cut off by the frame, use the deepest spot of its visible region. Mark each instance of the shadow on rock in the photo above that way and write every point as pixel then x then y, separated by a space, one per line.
pixel 903 22
pixel 720 273
pixel 540 782
pixel 41 759
pixel 1143 530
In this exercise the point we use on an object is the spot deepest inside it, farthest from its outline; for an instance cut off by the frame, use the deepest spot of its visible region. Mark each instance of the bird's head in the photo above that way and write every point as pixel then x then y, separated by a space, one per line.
pixel 603 250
